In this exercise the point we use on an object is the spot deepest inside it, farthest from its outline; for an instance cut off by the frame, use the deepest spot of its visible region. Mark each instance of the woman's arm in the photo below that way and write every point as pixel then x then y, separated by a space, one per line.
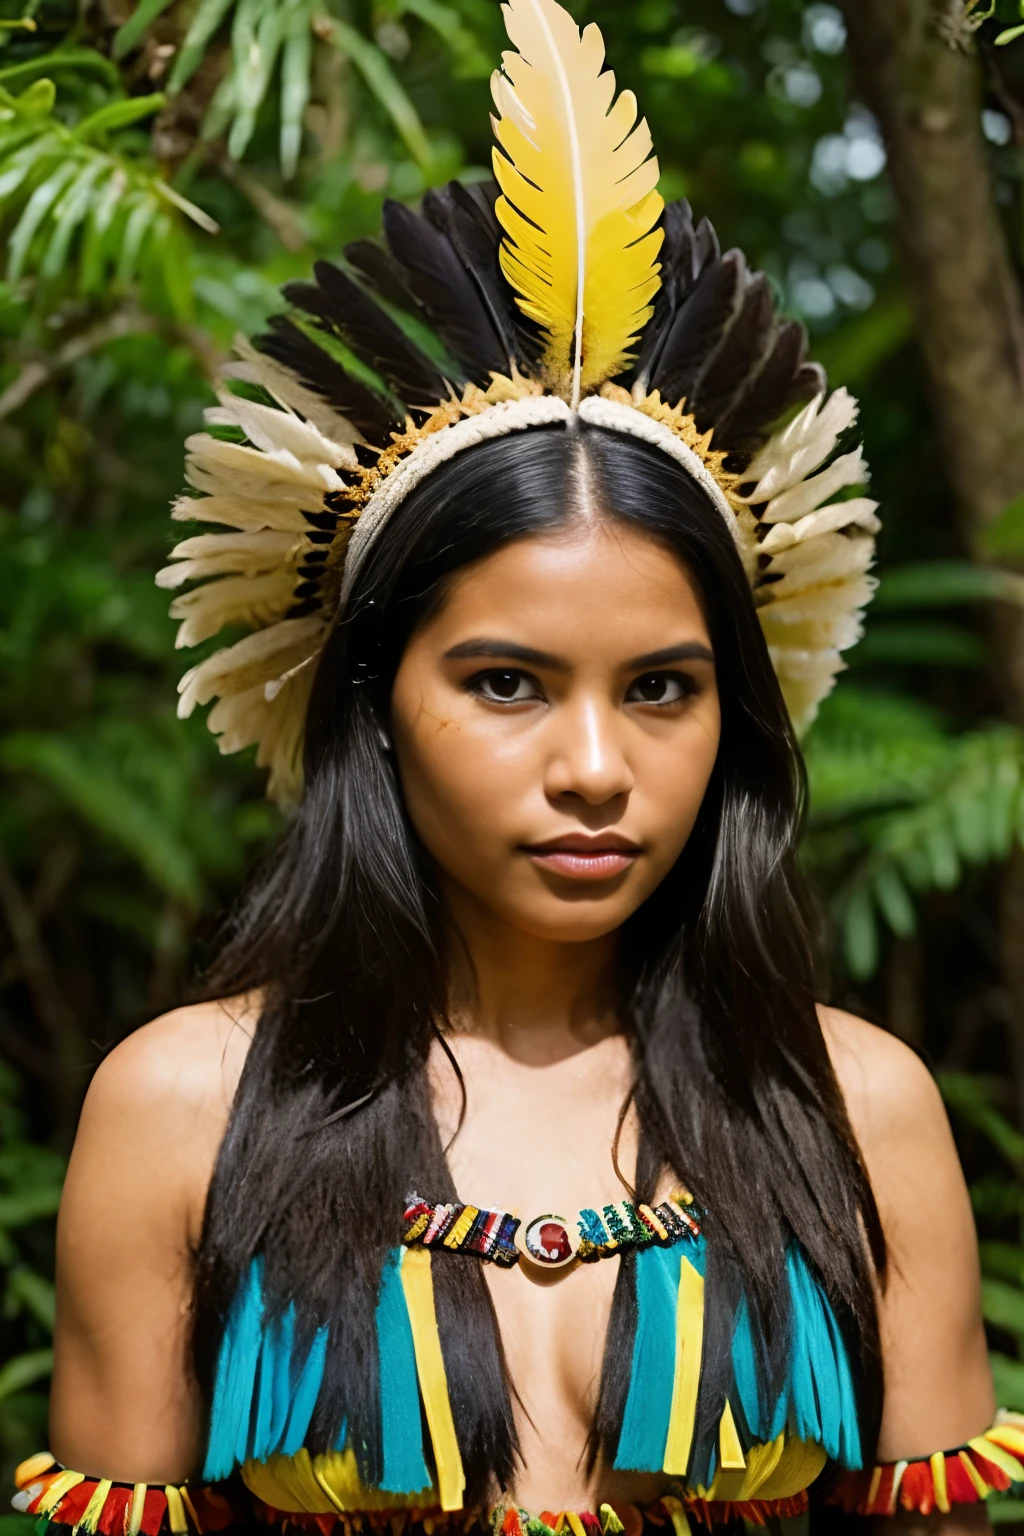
pixel 124 1403
pixel 938 1386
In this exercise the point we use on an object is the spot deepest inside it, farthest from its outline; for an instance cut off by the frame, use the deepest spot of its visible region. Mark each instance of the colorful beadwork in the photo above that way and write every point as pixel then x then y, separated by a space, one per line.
pixel 491 1233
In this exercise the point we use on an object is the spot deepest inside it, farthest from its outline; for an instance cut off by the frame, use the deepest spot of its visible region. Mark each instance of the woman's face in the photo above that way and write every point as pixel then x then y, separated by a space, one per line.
pixel 555 724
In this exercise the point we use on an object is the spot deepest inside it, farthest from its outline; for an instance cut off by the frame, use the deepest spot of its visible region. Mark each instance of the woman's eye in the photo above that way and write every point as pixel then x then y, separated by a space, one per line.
pixel 504 687
pixel 660 688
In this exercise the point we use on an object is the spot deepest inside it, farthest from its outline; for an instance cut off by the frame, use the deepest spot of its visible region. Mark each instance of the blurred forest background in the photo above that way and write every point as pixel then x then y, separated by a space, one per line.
pixel 165 166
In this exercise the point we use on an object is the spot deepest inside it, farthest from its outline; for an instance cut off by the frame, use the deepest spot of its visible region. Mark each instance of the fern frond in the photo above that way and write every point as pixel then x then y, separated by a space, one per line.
pixel 67 193
pixel 271 38
pixel 901 807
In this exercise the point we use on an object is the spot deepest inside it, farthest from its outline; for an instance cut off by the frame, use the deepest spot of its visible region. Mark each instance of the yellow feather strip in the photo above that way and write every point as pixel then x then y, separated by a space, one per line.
pixel 938 1466
pixel 729 1449
pixel 686 1380
pixel 175 1510
pixel 418 1286
pixel 94 1508
pixel 981 1488
pixel 62 1484
pixel 987 1447
pixel 186 1500
pixel 135 1508
pixel 579 202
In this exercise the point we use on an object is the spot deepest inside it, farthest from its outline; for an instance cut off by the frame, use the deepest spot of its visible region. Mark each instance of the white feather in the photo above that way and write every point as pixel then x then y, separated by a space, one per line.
pixel 251 601
pixel 831 558
pixel 273 431
pixel 789 506
pixel 250 662
pixel 218 554
pixel 791 454
pixel 859 512
pixel 281 384
pixel 239 512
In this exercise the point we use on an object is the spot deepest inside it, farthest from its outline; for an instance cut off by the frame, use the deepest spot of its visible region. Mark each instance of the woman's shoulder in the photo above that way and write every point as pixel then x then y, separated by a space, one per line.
pixel 189 1059
pixel 157 1108
pixel 877 1071
pixel 895 1109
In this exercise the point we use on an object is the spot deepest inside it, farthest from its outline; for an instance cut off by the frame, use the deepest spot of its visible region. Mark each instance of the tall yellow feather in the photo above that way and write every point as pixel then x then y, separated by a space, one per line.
pixel 579 196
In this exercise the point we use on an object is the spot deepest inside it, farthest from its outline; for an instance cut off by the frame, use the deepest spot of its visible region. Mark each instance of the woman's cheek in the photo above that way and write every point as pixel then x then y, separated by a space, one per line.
pixel 463 793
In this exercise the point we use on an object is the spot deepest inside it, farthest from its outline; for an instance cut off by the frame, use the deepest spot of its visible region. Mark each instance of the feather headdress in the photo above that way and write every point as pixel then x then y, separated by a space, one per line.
pixel 568 288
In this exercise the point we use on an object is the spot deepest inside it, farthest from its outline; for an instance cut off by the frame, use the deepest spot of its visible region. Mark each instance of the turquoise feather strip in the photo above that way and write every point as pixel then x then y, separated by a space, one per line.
pixel 405 1470
pixel 307 1390
pixel 235 1379
pixel 649 1401
pixel 262 1403
pixel 264 1397
pixel 823 1407
pixel 818 1402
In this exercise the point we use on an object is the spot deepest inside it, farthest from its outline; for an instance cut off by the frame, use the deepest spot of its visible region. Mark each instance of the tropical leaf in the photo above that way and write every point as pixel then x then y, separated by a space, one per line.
pixel 966 1096
pixel 24 1370
pixel 900 807
pixel 943 584
pixel 142 18
pixel 95 790
pixel 67 192
pixel 1002 1305
pixel 384 85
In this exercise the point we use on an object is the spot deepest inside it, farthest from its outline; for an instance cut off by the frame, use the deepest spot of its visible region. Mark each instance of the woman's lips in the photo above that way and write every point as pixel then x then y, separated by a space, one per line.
pixel 583 859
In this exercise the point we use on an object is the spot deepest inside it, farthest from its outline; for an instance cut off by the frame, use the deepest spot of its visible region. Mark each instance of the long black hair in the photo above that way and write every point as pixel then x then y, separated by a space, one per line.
pixel 332 1124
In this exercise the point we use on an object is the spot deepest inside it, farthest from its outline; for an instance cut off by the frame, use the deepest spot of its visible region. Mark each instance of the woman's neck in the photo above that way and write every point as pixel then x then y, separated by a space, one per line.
pixel 537 1000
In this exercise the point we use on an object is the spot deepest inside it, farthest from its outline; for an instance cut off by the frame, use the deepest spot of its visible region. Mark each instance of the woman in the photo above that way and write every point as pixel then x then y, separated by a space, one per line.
pixel 536 937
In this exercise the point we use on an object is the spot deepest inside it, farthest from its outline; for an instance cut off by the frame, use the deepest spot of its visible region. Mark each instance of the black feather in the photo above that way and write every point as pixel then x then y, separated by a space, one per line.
pixel 338 303
pixel 685 254
pixel 699 326
pixel 740 355
pixel 372 261
pixel 466 215
pixel 444 289
pixel 784 380
pixel 369 413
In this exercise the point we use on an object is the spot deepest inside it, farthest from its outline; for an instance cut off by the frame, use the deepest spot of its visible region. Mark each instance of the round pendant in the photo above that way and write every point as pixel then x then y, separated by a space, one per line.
pixel 548 1241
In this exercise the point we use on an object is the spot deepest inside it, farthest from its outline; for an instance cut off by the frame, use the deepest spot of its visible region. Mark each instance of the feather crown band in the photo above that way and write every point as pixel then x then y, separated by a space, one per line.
pixel 567 288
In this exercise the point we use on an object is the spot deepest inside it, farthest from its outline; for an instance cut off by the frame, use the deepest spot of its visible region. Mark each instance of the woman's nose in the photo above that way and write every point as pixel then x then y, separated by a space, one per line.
pixel 587 757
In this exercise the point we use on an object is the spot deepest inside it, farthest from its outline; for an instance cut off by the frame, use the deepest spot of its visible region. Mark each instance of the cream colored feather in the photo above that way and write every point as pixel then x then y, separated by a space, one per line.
pixel 579 203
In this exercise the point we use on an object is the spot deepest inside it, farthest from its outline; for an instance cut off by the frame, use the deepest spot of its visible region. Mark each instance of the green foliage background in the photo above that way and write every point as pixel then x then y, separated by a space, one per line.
pixel 163 168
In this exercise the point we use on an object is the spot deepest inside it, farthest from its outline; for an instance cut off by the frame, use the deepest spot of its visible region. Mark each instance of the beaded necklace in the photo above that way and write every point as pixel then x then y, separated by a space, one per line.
pixel 549 1240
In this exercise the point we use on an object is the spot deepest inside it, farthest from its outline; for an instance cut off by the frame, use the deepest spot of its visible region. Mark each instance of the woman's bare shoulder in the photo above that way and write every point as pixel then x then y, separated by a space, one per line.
pixel 889 1092
pixel 190 1058
pixel 156 1112
pixel 938 1387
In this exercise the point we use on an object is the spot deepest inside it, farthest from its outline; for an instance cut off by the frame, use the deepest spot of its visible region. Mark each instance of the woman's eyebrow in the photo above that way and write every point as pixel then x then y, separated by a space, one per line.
pixel 503 649
pixel 690 650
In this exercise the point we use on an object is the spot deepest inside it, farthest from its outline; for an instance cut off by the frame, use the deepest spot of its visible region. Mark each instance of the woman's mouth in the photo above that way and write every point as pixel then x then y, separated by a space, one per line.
pixel 578 857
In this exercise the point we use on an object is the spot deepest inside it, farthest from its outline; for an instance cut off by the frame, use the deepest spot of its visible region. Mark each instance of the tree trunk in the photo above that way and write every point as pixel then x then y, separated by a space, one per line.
pixel 926 91
pixel 926 95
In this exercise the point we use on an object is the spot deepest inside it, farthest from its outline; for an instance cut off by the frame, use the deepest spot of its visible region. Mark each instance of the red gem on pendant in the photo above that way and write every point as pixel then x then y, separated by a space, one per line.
pixel 547 1241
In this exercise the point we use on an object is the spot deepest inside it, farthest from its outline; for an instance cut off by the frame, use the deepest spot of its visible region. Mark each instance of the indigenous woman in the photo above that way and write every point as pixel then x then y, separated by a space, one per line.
pixel 512 1175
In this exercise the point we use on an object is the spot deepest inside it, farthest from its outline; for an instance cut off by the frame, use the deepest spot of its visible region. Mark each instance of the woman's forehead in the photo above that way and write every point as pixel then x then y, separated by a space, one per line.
pixel 593 585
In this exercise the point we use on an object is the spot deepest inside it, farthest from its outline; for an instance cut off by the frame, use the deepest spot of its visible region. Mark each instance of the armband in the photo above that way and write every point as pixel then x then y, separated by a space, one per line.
pixel 99 1505
pixel 990 1463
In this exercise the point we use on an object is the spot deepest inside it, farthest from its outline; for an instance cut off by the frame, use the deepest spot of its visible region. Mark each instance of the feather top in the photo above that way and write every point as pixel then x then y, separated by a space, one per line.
pixel 579 202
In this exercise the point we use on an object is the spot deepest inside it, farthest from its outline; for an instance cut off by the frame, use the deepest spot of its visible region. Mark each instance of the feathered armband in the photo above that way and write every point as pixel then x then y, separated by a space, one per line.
pixel 990 1463
pixel 98 1504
